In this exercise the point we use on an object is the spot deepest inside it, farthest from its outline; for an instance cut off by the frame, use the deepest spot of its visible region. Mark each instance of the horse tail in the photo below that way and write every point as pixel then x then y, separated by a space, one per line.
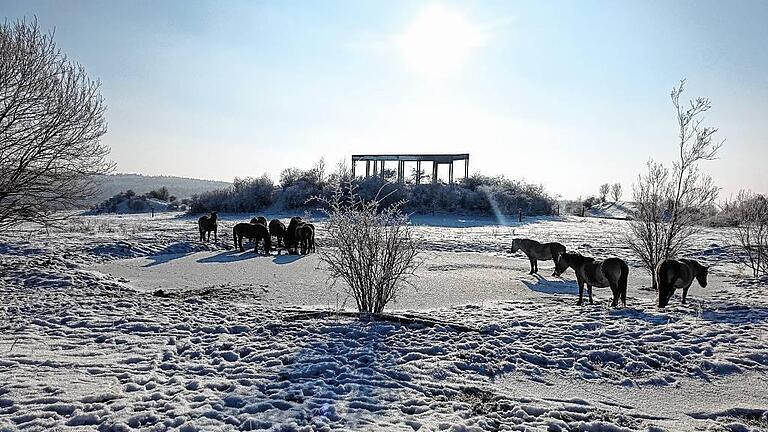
pixel 623 282
pixel 234 235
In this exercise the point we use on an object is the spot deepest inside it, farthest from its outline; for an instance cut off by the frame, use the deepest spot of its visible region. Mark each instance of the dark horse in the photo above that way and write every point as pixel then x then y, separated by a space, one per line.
pixel 305 236
pixel 673 274
pixel 612 272
pixel 277 229
pixel 208 224
pixel 254 232
pixel 291 239
pixel 538 251
pixel 299 235
pixel 259 220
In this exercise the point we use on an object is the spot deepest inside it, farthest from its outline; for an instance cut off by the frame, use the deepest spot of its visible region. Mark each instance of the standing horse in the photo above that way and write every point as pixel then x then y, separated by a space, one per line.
pixel 206 224
pixel 277 229
pixel 538 251
pixel 305 234
pixel 291 238
pixel 673 274
pixel 253 232
pixel 612 272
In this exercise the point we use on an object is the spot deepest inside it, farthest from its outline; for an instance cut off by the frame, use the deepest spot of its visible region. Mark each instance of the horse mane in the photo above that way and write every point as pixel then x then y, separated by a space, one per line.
pixel 697 266
pixel 576 257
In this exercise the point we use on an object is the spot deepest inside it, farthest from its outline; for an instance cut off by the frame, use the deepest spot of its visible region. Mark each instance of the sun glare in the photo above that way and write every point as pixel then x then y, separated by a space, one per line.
pixel 438 41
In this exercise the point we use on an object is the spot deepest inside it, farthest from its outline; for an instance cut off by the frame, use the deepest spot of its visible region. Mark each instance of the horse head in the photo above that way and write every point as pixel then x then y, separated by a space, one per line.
pixel 701 275
pixel 214 216
pixel 563 262
pixel 515 246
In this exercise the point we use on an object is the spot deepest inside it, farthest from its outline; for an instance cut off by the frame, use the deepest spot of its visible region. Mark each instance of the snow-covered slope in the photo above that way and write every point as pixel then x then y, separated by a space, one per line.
pixel 612 210
pixel 84 350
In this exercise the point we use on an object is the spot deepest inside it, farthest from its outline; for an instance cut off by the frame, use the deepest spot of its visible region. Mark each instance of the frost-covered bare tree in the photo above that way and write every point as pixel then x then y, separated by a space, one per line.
pixel 751 213
pixel 51 123
pixel 369 246
pixel 605 188
pixel 668 201
pixel 616 191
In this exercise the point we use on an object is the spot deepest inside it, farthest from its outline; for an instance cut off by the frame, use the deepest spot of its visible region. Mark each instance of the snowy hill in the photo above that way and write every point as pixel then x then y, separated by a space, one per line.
pixel 180 187
pixel 612 210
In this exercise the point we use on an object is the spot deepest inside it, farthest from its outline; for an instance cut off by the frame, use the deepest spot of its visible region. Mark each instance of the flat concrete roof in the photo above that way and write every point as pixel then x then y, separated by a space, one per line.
pixel 411 157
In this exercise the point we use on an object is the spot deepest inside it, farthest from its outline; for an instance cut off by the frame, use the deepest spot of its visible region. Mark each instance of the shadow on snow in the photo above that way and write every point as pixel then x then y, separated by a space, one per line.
pixel 231 256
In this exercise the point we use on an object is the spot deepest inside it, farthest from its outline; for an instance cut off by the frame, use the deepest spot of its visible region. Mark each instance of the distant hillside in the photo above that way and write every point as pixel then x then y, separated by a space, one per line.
pixel 181 187
pixel 612 210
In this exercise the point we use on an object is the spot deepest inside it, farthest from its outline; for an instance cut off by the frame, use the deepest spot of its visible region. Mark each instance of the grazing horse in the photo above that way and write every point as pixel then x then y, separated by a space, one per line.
pixel 673 274
pixel 611 272
pixel 291 239
pixel 305 235
pixel 538 251
pixel 277 229
pixel 254 232
pixel 206 224
pixel 259 220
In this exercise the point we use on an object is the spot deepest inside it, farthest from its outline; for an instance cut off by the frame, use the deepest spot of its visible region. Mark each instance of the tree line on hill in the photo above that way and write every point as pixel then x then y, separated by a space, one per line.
pixel 299 189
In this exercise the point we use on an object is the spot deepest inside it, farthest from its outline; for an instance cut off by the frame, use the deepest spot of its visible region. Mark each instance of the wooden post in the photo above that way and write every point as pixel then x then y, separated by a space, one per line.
pixel 519 215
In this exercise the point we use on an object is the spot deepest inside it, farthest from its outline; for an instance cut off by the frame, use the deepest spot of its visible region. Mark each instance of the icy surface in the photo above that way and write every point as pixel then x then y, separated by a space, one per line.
pixel 229 348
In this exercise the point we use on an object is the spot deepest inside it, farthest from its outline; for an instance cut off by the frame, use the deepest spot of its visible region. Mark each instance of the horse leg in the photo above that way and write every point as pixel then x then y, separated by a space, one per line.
pixel 216 234
pixel 533 265
pixel 581 293
pixel 615 292
pixel 589 287
pixel 554 272
pixel 685 294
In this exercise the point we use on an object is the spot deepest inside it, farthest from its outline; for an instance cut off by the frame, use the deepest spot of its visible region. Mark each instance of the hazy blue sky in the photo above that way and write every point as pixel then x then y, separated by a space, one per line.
pixel 566 94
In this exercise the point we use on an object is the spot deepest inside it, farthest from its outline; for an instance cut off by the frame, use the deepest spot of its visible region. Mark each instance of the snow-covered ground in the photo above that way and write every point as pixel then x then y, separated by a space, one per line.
pixel 85 345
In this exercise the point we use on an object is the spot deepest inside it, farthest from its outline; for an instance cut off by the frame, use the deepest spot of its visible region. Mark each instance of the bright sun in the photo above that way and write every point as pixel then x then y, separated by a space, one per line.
pixel 438 41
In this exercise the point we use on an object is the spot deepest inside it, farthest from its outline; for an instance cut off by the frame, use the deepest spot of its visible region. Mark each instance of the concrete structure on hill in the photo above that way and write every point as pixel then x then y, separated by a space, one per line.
pixel 435 159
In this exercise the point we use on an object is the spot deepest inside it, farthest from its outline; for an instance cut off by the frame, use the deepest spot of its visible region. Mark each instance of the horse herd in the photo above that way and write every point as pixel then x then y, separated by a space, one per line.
pixel 297 238
pixel 671 274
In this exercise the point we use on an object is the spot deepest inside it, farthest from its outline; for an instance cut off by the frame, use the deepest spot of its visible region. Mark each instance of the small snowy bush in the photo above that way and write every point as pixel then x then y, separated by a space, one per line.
pixel 370 247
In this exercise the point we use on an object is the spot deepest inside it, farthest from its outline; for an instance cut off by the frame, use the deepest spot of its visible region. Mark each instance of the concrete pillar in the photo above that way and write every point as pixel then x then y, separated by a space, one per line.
pixel 434 172
pixel 382 169
pixel 450 173
pixel 418 172
pixel 466 169
pixel 353 168
pixel 367 169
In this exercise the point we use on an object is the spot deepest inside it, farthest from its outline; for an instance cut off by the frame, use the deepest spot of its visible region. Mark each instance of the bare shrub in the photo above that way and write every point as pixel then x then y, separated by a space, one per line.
pixel 751 213
pixel 616 192
pixel 370 247
pixel 669 202
pixel 604 190
pixel 51 123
